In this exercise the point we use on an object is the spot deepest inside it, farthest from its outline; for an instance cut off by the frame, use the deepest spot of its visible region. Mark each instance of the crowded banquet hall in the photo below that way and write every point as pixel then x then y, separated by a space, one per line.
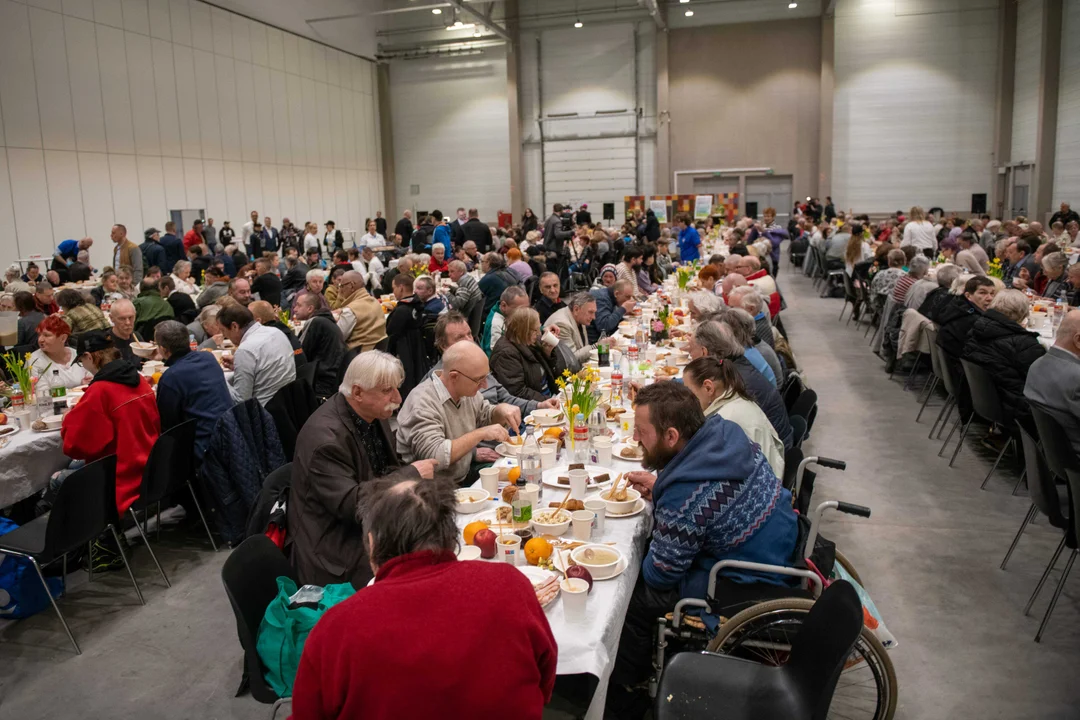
pixel 649 359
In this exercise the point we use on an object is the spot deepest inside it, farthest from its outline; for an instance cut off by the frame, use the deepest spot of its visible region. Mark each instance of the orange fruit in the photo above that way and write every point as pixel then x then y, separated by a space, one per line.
pixel 471 529
pixel 514 474
pixel 537 549
pixel 555 432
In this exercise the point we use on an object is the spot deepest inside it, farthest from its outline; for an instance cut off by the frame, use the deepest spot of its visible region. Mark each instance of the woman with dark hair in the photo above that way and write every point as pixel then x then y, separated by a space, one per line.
pixel 650 266
pixel 29 319
pixel 529 221
pixel 79 314
pixel 720 390
pixel 651 229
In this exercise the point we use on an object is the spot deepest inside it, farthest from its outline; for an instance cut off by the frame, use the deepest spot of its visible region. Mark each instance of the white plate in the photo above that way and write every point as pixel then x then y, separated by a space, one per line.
pixel 560 556
pixel 638 508
pixel 617 450
pixel 551 476
pixel 537 574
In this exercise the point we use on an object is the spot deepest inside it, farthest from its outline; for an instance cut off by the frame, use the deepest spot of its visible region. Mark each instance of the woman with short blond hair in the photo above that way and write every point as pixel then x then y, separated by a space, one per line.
pixel 525 365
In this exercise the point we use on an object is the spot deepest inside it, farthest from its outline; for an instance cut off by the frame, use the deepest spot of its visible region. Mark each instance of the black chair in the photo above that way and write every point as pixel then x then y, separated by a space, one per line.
pixel 850 297
pixel 987 405
pixel 792 457
pixel 953 388
pixel 475 314
pixel 806 408
pixel 346 361
pixel 798 430
pixel 84 509
pixel 706 685
pixel 934 377
pixel 250 576
pixel 790 391
pixel 290 407
pixel 306 372
pixel 170 467
pixel 1047 497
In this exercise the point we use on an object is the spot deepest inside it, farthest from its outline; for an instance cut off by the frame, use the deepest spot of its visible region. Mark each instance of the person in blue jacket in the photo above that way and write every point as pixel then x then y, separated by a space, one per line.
pixel 689 240
pixel 442 233
pixel 715 497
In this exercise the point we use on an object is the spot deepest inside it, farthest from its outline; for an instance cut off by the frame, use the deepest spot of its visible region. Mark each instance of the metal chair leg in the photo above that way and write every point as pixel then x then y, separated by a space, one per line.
pixel 1023 526
pixel 90 560
pixel 842 309
pixel 947 404
pixel 1000 455
pixel 1046 574
pixel 127 565
pixel 911 373
pixel 1057 594
pixel 201 516
pixel 1023 477
pixel 932 382
pixel 56 607
pixel 147 541
pixel 957 424
pixel 947 415
pixel 159 520
pixel 960 444
pixel 64 570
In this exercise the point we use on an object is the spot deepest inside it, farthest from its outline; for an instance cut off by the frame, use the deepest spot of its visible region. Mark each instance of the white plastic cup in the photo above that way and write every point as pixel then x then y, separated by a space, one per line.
pixel 650 354
pixel 489 480
pixel 579 480
pixel 574 592
pixel 1036 320
pixel 602 446
pixel 626 424
pixel 547 457
pixel 582 523
pixel 599 510
pixel 532 494
pixel 509 548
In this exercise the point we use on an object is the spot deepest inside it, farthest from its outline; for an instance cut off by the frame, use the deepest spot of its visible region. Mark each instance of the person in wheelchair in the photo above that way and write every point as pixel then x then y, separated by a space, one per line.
pixel 714 497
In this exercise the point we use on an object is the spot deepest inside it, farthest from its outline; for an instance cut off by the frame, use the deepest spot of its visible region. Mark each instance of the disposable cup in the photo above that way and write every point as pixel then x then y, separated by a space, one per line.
pixel 509 548
pixel 489 480
pixel 599 510
pixel 574 593
pixel 532 494
pixel 582 523
pixel 602 448
pixel 579 479
pixel 547 457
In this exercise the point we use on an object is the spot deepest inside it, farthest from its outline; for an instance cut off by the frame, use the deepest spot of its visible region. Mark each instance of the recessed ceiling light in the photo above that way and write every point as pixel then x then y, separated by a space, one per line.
pixel 578 24
pixel 689 13
pixel 436 11
pixel 477 34
pixel 684 1
pixel 458 23
pixel 792 6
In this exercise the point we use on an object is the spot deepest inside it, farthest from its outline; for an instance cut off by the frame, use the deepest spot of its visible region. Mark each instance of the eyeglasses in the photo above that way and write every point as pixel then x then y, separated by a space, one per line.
pixel 478 382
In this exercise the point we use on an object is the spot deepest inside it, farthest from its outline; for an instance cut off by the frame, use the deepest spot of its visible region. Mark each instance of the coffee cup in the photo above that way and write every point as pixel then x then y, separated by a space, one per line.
pixel 489 480
pixel 579 480
pixel 574 592
pixel 509 548
pixel 599 510
pixel 582 523
pixel 547 456
pixel 602 449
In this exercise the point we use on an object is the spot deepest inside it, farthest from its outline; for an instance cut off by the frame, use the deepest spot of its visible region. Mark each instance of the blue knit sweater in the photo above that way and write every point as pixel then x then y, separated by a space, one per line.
pixel 718 499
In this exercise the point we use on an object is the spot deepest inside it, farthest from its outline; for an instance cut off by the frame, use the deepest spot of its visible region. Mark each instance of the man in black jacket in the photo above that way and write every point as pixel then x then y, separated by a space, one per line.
pixel 266 283
pixel 955 320
pixel 173 246
pixel 554 235
pixel 404 266
pixel 152 252
pixel 477 231
pixel 321 341
pixel 583 217
pixel 457 227
pixel 405 333
pixel 380 223
pixel 1065 215
pixel 404 227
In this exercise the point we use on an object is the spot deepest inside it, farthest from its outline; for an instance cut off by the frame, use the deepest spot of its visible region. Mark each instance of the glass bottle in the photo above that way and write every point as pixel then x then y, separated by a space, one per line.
pixel 58 393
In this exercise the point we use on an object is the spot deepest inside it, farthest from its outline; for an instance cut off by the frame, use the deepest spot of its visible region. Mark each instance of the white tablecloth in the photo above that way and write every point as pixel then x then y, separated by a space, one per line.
pixel 589 645
pixel 27 462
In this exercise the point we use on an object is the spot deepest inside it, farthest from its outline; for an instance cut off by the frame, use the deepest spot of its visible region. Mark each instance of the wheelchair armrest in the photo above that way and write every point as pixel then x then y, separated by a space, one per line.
pixel 677 614
pixel 812 577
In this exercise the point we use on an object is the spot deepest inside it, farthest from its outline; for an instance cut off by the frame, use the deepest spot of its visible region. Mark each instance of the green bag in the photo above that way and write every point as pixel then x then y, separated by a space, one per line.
pixel 283 632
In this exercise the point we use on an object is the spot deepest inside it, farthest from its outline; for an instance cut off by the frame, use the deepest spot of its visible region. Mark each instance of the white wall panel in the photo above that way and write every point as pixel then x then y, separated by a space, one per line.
pixel 152 191
pixel 115 91
pixel 1067 160
pixel 1029 16
pixel 98 205
pixel 30 198
pixel 51 74
pixel 603 79
pixel 18 93
pixel 127 205
pixel 65 194
pixel 937 153
pixel 122 110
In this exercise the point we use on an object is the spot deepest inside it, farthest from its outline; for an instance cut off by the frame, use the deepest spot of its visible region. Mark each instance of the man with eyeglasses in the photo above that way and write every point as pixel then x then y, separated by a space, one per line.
pixel 445 417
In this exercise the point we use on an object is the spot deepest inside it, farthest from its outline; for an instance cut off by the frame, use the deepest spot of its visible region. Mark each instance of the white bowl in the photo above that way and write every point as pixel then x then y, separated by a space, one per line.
pixel 52 422
pixel 621 506
pixel 599 571
pixel 546 417
pixel 143 349
pixel 468 552
pixel 553 529
pixel 470 500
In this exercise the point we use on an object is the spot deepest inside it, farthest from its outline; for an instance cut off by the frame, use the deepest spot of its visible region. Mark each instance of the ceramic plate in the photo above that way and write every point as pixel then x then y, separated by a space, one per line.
pixel 551 476
pixel 638 508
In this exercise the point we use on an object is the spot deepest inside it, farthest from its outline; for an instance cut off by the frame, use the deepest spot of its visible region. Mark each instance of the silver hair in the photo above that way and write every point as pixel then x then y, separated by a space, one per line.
pixel 706 302
pixel 312 274
pixel 718 340
pixel 742 324
pixel 512 293
pixel 918 266
pixel 372 369
pixel 180 266
pixel 457 265
pixel 580 300
pixel 1055 261
pixel 173 336
pixel 208 314
pixel 1012 304
pixel 752 300
pixel 947 274
pixel 426 281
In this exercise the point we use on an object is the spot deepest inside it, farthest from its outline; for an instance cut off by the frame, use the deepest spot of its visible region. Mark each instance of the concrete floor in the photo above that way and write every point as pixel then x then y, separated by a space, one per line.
pixel 929 556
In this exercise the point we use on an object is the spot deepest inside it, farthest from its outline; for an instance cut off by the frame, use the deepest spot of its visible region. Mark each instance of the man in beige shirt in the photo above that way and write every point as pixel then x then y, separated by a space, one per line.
pixel 362 321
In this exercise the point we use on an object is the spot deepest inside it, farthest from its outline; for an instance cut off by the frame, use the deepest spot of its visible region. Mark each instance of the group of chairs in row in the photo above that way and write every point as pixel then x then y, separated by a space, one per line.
pixel 1051 468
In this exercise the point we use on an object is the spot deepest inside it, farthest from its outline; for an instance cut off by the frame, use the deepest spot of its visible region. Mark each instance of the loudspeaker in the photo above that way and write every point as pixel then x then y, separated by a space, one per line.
pixel 609 211
pixel 978 203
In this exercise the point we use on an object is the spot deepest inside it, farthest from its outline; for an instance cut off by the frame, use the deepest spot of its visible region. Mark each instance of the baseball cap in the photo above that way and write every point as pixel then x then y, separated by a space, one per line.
pixel 150 231
pixel 93 341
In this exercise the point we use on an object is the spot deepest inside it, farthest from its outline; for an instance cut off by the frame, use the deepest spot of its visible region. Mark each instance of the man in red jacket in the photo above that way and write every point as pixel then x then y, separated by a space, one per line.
pixel 434 637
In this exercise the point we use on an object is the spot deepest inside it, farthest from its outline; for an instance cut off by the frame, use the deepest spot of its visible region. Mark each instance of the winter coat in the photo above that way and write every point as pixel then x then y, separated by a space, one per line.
pixel 768 399
pixel 493 284
pixel 1007 351
pixel 718 499
pixel 323 344
pixel 525 371
pixel 193 388
pixel 153 254
pixel 955 321
pixel 245 449
pixel 478 232
pixel 934 303
pixel 405 341
pixel 290 408
pixel 118 415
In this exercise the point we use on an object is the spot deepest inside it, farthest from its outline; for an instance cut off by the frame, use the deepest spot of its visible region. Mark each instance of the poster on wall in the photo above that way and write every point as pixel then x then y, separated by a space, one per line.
pixel 702 207
pixel 659 208
pixel 632 203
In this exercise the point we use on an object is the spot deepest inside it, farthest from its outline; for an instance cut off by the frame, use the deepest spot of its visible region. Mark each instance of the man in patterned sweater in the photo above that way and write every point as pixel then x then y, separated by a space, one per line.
pixel 715 498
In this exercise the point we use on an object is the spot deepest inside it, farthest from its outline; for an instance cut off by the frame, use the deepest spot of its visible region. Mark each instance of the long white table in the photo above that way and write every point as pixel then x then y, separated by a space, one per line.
pixel 27 462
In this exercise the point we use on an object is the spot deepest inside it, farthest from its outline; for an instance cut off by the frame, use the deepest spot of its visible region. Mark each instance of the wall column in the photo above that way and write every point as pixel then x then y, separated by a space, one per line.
pixel 663 117
pixel 513 53
pixel 386 132
pixel 1003 117
pixel 1046 138
pixel 827 87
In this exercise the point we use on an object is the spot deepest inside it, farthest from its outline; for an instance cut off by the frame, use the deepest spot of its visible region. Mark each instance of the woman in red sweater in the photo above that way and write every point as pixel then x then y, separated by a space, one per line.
pixel 434 637
pixel 438 263
pixel 118 415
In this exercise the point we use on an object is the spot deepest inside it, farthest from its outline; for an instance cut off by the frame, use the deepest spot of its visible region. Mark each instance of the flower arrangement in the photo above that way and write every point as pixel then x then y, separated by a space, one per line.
pixel 684 275
pixel 18 369
pixel 661 323
pixel 580 392
pixel 418 269
pixel 284 316
pixel 994 269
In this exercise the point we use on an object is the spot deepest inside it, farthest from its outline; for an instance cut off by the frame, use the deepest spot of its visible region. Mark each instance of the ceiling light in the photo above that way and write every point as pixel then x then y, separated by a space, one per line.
pixel 684 1
pixel 458 23
pixel 477 34
pixel 461 26
pixel 689 13
pixel 792 5
pixel 578 24
pixel 436 11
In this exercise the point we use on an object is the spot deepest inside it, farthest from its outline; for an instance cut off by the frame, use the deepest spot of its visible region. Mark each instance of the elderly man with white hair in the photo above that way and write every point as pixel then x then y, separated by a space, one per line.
pixel 445 417
pixel 703 302
pixel 345 444
pixel 749 299
pixel 759 277
pixel 206 328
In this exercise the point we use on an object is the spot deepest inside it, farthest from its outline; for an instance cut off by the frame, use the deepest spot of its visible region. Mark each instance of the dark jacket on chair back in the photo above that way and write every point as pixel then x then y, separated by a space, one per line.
pixel 1007 351
pixel 325 538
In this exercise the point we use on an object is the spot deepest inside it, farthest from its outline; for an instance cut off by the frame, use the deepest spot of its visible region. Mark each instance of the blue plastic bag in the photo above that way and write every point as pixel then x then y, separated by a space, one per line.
pixel 21 593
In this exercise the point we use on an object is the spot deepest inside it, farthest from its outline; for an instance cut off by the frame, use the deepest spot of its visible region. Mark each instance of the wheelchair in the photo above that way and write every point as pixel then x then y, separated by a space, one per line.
pixel 762 632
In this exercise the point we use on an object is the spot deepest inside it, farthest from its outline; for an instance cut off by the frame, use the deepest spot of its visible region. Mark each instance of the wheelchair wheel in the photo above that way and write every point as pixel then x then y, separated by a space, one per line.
pixel 842 559
pixel 867 687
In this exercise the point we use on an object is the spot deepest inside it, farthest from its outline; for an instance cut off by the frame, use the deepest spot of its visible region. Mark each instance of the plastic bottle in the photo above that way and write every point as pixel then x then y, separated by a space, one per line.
pixel 603 351
pixel 191 342
pixel 58 393
pixel 520 507
pixel 18 400
pixel 529 460
pixel 616 385
pixel 632 354
pixel 581 439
